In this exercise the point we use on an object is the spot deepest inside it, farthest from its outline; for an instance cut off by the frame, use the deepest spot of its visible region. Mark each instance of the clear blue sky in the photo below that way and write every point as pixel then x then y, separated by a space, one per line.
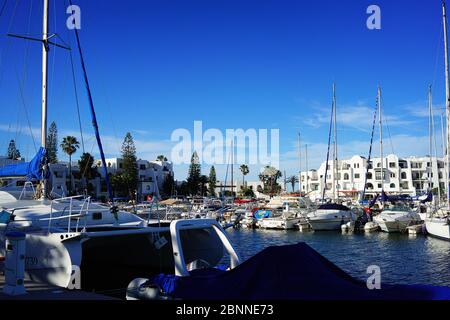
pixel 156 66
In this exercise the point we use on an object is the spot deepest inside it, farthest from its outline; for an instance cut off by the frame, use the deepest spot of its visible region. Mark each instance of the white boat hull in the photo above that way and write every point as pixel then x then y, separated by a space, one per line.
pixel 329 219
pixel 438 227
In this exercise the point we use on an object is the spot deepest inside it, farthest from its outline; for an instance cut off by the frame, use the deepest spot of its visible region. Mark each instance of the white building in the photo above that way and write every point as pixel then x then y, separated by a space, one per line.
pixel 150 173
pixel 412 175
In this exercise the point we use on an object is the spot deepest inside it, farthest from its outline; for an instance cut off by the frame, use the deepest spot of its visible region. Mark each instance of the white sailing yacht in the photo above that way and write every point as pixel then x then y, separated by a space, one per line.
pixel 438 224
pixel 72 238
pixel 394 217
pixel 330 216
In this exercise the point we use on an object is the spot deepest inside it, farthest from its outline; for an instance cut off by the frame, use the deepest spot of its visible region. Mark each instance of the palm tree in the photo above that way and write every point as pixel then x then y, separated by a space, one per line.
pixel 161 158
pixel 245 171
pixel 293 180
pixel 70 145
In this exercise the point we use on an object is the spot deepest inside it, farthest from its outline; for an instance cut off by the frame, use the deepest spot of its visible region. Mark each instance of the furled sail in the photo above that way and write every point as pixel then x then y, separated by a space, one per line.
pixel 31 170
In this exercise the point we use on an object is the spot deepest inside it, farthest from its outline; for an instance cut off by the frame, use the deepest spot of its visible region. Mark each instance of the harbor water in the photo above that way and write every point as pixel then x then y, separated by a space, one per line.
pixel 402 258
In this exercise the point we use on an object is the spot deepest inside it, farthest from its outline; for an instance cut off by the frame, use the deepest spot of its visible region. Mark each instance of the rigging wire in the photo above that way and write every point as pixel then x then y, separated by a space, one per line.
pixel 24 78
pixel 3 8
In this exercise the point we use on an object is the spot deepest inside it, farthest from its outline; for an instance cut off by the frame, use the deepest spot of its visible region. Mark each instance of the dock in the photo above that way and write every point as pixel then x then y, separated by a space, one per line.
pixel 42 291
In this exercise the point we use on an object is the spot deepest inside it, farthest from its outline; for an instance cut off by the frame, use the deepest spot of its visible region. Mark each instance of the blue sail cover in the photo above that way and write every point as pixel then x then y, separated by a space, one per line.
pixel 291 272
pixel 373 201
pixel 31 170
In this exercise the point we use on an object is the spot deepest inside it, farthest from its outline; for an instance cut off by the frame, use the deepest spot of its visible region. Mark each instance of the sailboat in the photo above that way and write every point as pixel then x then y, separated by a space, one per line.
pixel 74 238
pixel 438 224
pixel 393 218
pixel 330 216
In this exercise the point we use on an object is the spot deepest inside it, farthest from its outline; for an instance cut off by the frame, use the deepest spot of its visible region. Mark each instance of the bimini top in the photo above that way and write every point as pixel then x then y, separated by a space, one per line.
pixel 31 170
pixel 333 206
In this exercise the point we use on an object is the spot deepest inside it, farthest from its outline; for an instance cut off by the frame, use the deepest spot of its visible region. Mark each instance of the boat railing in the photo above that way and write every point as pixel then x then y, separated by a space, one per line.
pixel 74 212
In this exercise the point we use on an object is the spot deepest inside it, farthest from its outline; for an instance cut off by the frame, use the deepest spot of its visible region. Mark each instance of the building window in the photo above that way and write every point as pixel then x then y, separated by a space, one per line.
pixel 142 167
pixel 403 175
pixel 120 166
pixel 379 185
pixel 346 177
pixel 392 165
pixel 369 186
pixel 392 175
pixel 392 186
pixel 356 175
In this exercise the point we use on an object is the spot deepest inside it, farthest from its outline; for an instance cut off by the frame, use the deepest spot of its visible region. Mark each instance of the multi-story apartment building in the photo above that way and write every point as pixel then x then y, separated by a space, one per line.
pixel 412 175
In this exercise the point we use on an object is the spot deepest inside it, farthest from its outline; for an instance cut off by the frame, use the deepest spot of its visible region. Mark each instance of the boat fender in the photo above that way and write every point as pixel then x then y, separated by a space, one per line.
pixel 143 289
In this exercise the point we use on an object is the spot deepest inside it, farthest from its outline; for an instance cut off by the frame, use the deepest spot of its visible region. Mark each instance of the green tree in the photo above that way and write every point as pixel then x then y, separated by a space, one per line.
pixel 52 143
pixel 70 145
pixel 269 178
pixel 129 170
pixel 168 186
pixel 194 174
pixel 13 152
pixel 161 158
pixel 212 180
pixel 203 181
pixel 245 170
pixel 292 180
pixel 87 169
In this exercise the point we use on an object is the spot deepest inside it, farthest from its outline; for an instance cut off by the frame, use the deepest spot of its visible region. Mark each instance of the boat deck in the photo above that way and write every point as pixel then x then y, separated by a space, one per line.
pixel 42 291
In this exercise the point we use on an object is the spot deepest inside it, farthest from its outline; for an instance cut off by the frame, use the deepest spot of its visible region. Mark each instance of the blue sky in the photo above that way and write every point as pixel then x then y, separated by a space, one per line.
pixel 156 66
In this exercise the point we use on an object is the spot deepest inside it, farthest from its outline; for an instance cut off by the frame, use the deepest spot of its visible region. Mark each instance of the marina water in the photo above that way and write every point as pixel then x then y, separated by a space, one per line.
pixel 402 258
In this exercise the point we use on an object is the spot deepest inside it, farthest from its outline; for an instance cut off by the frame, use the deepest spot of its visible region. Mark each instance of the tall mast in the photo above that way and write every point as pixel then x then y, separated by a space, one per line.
pixel 447 99
pixel 381 139
pixel 232 161
pixel 299 167
pixel 443 150
pixel 433 138
pixel 45 49
pixel 307 170
pixel 335 162
pixel 430 125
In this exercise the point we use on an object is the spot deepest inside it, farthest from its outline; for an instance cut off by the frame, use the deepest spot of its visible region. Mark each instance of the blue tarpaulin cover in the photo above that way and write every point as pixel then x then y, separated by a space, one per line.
pixel 291 272
pixel 31 170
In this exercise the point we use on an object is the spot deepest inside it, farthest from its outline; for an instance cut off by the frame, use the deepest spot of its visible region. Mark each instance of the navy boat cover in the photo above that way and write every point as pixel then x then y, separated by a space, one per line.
pixel 292 272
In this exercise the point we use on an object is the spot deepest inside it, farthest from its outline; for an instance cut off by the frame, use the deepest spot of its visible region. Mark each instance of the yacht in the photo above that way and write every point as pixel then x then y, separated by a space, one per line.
pixel 329 216
pixel 397 218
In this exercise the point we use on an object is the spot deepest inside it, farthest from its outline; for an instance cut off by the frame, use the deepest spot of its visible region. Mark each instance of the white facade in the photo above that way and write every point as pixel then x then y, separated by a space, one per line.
pixel 150 173
pixel 412 175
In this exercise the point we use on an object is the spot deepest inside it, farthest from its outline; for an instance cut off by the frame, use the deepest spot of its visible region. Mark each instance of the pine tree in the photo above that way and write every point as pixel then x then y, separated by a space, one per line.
pixel 194 174
pixel 212 181
pixel 130 171
pixel 13 152
pixel 52 143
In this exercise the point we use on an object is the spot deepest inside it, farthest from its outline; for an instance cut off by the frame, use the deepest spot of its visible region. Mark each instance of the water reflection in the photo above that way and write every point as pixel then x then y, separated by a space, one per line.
pixel 402 258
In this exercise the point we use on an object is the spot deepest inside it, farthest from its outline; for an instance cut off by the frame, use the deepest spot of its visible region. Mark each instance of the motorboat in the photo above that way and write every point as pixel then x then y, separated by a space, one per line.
pixel 397 218
pixel 329 216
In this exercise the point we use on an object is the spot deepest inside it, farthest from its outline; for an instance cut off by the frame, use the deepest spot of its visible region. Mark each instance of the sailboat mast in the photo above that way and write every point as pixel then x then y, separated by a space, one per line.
pixel 45 49
pixel 307 173
pixel 381 139
pixel 447 99
pixel 335 164
pixel 430 125
pixel 232 161
pixel 433 139
pixel 299 167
